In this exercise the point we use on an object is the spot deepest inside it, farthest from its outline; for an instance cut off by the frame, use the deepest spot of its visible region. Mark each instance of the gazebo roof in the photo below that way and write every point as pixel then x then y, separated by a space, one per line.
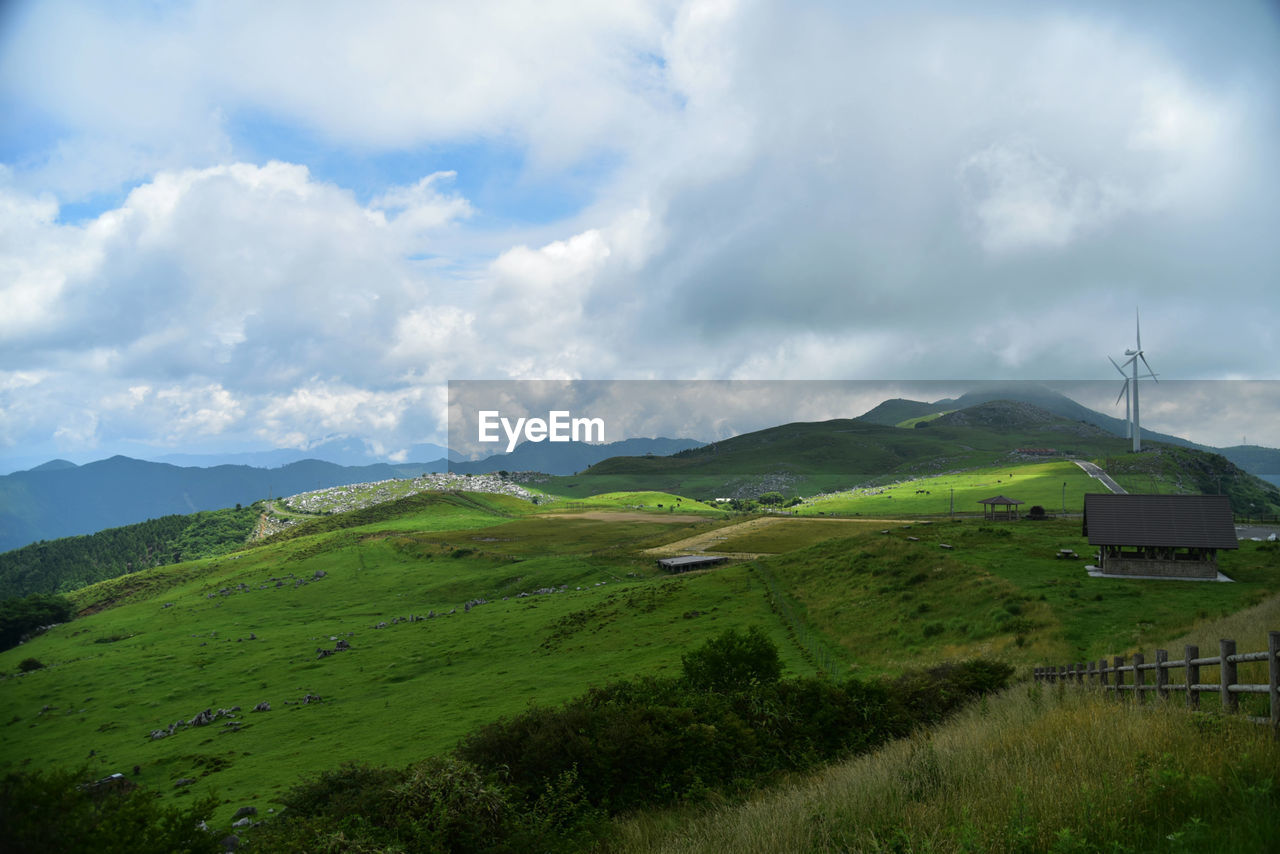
pixel 1000 499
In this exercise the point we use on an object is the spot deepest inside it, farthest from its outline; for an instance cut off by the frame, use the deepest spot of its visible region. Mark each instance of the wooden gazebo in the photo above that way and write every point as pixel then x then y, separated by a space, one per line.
pixel 1000 507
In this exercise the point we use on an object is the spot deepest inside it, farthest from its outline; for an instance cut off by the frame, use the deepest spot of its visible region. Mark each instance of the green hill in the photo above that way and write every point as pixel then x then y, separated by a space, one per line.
pixel 386 634
pixel 808 458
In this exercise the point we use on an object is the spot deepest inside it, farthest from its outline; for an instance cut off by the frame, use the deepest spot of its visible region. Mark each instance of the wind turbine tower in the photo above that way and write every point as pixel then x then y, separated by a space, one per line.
pixel 1132 382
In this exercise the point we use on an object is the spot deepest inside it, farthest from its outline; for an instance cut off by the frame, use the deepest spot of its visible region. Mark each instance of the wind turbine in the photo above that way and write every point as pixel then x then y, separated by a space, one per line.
pixel 1124 392
pixel 1134 355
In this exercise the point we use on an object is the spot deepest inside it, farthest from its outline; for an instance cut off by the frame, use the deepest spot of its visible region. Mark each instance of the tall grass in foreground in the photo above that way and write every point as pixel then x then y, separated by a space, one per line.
pixel 1032 769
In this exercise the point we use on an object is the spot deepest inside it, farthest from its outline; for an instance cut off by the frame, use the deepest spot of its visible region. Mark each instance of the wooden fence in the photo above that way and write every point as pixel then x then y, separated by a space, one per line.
pixel 1121 677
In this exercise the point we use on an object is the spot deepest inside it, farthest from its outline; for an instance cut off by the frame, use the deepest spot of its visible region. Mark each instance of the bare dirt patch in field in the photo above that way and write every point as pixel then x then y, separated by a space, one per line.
pixel 624 516
pixel 708 540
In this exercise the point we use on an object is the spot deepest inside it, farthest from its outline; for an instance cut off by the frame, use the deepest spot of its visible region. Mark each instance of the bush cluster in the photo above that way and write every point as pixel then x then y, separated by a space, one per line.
pixel 547 778
pixel 41 812
pixel 20 616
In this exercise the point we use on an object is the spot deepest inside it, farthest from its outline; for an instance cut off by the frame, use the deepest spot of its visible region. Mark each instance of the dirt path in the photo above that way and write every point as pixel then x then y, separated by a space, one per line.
pixel 624 516
pixel 707 541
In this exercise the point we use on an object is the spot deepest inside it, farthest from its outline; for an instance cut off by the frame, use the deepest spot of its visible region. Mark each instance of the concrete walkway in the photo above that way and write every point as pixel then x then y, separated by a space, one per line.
pixel 1095 472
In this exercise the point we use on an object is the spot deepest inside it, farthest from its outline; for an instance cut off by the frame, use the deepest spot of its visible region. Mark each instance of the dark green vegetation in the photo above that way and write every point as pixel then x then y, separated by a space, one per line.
pixel 70 812
pixel 21 616
pixel 59 566
pixel 546 779
pixel 1166 469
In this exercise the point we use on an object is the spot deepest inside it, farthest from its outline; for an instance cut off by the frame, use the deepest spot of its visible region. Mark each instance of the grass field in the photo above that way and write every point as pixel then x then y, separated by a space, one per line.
pixel 1035 483
pixel 1029 770
pixel 571 599
pixel 998 591
pixel 247 628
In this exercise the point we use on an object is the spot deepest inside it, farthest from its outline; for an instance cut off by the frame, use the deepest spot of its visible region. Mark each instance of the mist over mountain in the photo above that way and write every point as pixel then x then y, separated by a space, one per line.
pixel 563 458
pixel 1264 462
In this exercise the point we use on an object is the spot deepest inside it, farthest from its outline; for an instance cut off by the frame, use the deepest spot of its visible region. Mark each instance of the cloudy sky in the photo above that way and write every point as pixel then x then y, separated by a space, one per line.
pixel 232 225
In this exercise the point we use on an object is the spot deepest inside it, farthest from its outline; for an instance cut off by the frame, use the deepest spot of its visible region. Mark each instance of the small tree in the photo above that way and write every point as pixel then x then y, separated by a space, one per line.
pixel 733 660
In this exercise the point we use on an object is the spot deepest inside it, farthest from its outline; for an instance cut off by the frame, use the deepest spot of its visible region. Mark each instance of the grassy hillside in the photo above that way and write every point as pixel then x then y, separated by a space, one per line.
pixel 1167 469
pixel 568 602
pixel 385 634
pixel 1035 483
pixel 807 458
pixel 998 591
pixel 1030 770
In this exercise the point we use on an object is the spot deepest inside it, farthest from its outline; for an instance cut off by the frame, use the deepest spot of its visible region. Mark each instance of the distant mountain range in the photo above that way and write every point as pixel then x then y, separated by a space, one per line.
pixel 59 498
pixel 62 499
pixel 342 451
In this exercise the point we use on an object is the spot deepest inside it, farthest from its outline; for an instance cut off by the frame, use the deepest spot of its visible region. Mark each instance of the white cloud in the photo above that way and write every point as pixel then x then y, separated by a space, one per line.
pixel 790 190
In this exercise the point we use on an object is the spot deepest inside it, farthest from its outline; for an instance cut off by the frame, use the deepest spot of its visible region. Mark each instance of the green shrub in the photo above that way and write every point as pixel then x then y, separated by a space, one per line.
pixel 50 811
pixel 20 617
pixel 29 664
pixel 733 660
pixel 925 697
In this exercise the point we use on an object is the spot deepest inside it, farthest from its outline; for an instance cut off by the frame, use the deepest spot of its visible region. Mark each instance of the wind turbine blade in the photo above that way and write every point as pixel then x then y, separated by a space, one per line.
pixel 1144 361
pixel 1124 389
pixel 1118 368
pixel 1138 327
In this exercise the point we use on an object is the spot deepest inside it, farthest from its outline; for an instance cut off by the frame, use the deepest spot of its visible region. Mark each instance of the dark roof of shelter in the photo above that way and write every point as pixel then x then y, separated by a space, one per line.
pixel 1174 521
pixel 686 561
pixel 1000 499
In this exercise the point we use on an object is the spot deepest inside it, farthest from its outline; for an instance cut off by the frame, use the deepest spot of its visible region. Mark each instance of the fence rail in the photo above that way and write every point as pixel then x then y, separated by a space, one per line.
pixel 1113 678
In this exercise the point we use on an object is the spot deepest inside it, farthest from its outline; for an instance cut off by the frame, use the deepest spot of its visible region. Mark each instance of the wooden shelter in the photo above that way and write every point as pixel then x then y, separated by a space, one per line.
pixel 1168 536
pixel 684 563
pixel 1000 507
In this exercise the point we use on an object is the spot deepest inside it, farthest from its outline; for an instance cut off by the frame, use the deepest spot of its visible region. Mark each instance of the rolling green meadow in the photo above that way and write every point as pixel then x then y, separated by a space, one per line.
pixel 386 635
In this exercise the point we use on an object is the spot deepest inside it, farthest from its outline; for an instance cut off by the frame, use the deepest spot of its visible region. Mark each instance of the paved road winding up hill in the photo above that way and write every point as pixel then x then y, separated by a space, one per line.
pixel 1095 472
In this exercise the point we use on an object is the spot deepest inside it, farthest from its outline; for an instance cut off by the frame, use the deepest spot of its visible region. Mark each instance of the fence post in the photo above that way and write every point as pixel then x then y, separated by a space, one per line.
pixel 1162 674
pixel 1119 662
pixel 1273 662
pixel 1080 669
pixel 1227 675
pixel 1102 674
pixel 1193 677
pixel 1139 677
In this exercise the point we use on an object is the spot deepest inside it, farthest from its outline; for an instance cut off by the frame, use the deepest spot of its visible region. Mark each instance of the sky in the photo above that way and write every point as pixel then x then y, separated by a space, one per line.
pixel 230 226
